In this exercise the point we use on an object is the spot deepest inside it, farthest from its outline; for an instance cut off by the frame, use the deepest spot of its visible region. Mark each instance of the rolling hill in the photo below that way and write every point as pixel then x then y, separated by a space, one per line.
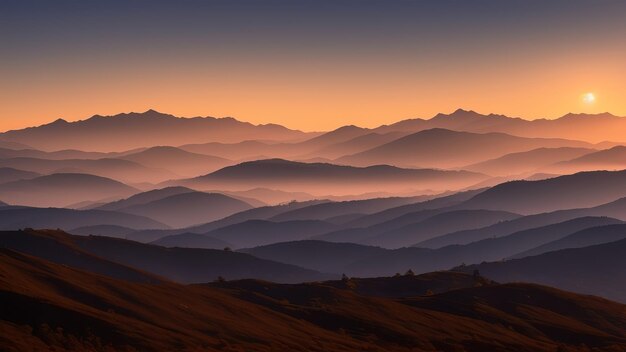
pixel 179 161
pixel 188 209
pixel 439 148
pixel 8 174
pixel 191 240
pixel 583 238
pixel 581 190
pixel 319 178
pixel 13 218
pixel 262 316
pixel 123 170
pixel 252 233
pixel 527 162
pixel 62 189
pixel 594 270
pixel 186 265
pixel 436 225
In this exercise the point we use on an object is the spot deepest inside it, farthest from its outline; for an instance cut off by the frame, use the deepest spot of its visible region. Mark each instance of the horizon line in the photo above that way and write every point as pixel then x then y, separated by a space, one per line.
pixel 62 119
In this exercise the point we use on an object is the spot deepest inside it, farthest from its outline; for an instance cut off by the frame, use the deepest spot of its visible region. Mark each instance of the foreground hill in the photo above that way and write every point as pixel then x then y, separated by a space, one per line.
pixel 320 178
pixel 440 148
pixel 105 313
pixel 185 265
pixel 62 189
pixel 136 130
pixel 596 270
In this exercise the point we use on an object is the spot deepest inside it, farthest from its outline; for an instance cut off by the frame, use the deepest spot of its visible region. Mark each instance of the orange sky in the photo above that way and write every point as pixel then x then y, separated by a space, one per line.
pixel 367 67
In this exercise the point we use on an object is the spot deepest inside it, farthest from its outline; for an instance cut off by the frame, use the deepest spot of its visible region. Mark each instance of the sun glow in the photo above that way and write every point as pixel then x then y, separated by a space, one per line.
pixel 589 98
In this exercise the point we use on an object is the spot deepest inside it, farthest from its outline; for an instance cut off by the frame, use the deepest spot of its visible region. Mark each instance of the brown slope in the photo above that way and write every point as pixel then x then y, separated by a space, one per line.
pixel 96 312
pixel 187 265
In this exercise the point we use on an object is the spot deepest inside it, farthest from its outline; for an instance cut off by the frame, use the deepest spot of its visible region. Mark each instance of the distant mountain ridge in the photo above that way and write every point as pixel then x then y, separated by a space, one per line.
pixel 150 128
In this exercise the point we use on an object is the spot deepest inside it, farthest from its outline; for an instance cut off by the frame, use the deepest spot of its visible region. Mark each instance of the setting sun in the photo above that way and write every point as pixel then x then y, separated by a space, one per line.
pixel 589 98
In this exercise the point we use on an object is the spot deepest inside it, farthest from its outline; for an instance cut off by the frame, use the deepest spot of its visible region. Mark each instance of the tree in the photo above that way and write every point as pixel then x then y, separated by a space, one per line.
pixel 227 249
pixel 220 279
pixel 409 273
pixel 344 277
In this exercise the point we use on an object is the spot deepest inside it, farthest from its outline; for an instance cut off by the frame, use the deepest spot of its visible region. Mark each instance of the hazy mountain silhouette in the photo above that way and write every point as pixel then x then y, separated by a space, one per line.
pixel 62 189
pixel 8 174
pixel 253 233
pixel 122 170
pixel 272 196
pixel 240 150
pixel 261 213
pixel 145 197
pixel 187 209
pixel 584 238
pixel 102 230
pixel 585 189
pixel 595 270
pixel 13 218
pixel 13 145
pixel 609 159
pixel 317 255
pixel 440 148
pixel 441 201
pixel 328 178
pixel 6 153
pixel 438 224
pixel 368 261
pixel 255 315
pixel 499 248
pixel 191 240
pixel 151 128
pixel 181 162
pixel 526 162
pixel 357 144
pixel 332 209
pixel 615 209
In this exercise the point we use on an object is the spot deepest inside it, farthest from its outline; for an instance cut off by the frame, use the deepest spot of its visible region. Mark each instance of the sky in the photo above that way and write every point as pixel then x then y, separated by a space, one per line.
pixel 311 65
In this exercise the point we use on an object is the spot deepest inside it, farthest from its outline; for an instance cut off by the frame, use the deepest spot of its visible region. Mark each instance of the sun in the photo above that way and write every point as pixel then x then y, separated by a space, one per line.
pixel 589 98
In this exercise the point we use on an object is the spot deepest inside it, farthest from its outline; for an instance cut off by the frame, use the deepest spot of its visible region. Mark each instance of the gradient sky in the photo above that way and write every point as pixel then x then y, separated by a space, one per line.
pixel 312 65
